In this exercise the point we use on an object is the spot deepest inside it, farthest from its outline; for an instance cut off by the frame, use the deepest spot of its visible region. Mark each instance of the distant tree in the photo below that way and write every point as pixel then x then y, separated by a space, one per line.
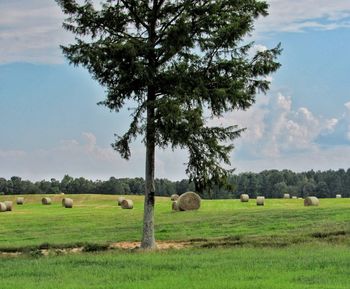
pixel 280 188
pixel 64 185
pixel 178 61
pixel 322 190
pixel 17 188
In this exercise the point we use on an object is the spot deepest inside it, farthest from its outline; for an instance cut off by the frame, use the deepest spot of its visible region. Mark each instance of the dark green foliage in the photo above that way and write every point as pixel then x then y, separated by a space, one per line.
pixel 271 184
pixel 179 61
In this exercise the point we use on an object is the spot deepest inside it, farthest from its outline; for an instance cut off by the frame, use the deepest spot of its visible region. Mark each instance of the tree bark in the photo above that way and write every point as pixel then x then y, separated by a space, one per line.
pixel 148 239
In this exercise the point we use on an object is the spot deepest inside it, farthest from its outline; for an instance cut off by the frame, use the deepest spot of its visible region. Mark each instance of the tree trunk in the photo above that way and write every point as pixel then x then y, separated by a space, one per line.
pixel 148 239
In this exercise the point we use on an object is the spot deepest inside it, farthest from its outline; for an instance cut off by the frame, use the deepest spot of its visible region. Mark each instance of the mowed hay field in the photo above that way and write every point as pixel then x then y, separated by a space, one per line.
pixel 233 245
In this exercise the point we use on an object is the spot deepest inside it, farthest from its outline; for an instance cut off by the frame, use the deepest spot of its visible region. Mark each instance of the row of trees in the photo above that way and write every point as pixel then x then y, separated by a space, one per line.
pixel 271 184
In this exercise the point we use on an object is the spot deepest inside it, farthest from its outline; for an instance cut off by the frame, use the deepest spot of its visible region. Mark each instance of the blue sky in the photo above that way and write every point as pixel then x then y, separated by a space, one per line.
pixel 50 124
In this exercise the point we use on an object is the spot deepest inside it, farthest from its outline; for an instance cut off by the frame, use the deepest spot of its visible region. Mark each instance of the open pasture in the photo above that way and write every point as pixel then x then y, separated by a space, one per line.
pixel 282 245
pixel 98 219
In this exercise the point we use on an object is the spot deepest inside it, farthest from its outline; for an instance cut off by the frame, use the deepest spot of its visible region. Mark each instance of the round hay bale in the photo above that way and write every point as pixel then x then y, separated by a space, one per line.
pixel 68 203
pixel 120 200
pixel 260 201
pixel 3 207
pixel 174 197
pixel 62 194
pixel 338 196
pixel 244 198
pixel 8 205
pixel 127 204
pixel 189 201
pixel 46 201
pixel 311 201
pixel 20 201
pixel 174 206
pixel 294 197
pixel 286 196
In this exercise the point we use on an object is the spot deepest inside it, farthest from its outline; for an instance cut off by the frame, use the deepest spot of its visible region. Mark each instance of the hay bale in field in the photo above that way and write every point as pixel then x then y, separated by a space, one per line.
pixel 294 197
pixel 244 198
pixel 286 196
pixel 67 203
pixel 127 204
pixel 189 201
pixel 120 200
pixel 338 196
pixel 62 194
pixel 311 201
pixel 174 197
pixel 3 207
pixel 8 205
pixel 20 201
pixel 174 206
pixel 260 201
pixel 46 201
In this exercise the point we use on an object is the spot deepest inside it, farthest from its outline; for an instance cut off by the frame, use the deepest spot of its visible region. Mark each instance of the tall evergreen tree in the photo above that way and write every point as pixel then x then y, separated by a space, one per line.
pixel 179 61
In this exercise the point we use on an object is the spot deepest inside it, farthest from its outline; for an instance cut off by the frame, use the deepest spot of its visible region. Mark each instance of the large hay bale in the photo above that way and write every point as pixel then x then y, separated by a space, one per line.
pixel 189 201
pixel 244 198
pixel 338 196
pixel 294 197
pixel 127 204
pixel 20 201
pixel 120 200
pixel 174 197
pixel 311 201
pixel 286 196
pixel 46 201
pixel 260 201
pixel 68 203
pixel 8 205
pixel 174 206
pixel 3 207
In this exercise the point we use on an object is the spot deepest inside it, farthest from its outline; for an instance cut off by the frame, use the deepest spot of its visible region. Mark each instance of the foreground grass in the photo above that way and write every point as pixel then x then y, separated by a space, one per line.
pixel 296 267
pixel 282 245
pixel 98 219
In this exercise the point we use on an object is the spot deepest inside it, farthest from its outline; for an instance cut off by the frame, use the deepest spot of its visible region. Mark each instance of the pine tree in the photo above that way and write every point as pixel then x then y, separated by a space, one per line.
pixel 179 61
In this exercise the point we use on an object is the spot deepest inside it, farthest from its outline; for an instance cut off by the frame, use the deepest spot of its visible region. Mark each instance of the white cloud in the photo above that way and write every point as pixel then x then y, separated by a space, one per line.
pixel 347 105
pixel 317 159
pixel 276 129
pixel 331 124
pixel 31 31
pixel 298 15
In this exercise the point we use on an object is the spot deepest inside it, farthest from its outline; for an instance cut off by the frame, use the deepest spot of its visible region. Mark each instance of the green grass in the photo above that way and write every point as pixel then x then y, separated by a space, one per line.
pixel 98 219
pixel 310 267
pixel 282 245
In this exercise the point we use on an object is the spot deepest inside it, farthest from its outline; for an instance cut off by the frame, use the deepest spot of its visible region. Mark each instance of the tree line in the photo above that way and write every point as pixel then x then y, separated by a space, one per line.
pixel 268 183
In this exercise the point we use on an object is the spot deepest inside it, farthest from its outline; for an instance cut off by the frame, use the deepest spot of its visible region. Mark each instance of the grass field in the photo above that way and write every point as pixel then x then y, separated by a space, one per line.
pixel 235 245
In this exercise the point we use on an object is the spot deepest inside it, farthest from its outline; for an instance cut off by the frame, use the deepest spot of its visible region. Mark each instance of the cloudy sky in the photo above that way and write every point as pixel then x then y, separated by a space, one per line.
pixel 50 124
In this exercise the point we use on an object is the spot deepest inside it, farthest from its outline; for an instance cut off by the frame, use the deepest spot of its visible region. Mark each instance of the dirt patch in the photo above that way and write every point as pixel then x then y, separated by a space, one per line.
pixel 47 252
pixel 324 235
pixel 8 254
pixel 161 245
